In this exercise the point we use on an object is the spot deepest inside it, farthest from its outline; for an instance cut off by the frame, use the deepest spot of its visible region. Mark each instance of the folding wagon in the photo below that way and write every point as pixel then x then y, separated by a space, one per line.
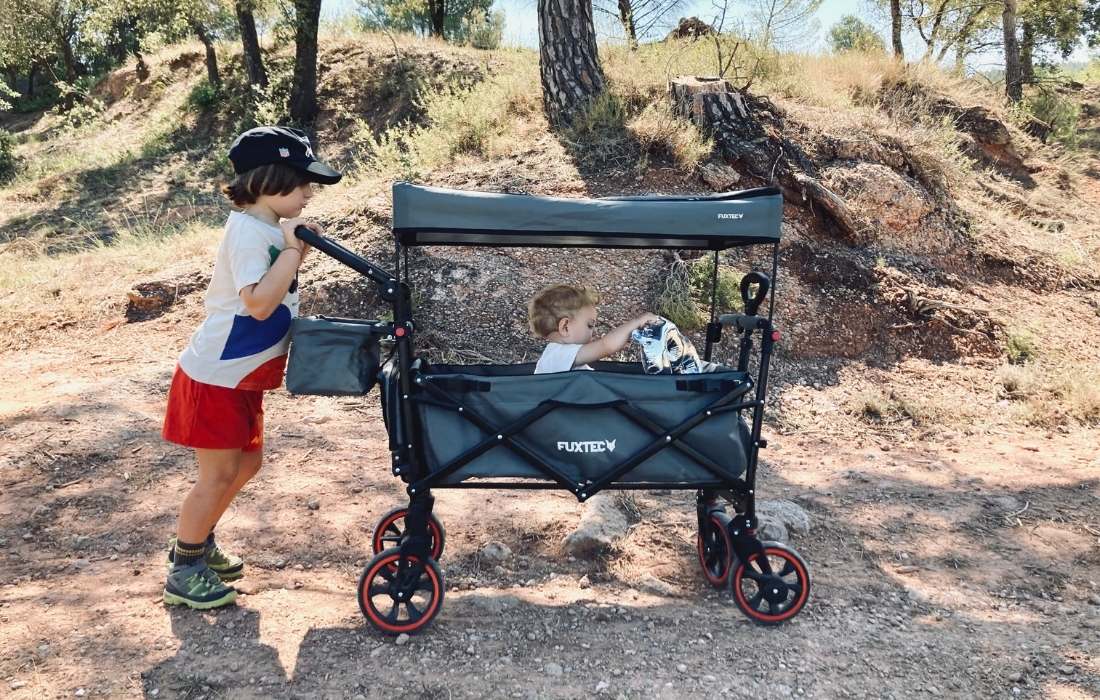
pixel 503 427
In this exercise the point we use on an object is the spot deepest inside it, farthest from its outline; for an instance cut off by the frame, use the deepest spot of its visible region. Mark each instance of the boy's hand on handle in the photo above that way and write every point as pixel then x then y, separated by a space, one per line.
pixel 290 225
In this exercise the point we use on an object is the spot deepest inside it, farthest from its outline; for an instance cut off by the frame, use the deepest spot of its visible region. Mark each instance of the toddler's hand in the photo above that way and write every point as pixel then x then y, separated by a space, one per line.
pixel 646 319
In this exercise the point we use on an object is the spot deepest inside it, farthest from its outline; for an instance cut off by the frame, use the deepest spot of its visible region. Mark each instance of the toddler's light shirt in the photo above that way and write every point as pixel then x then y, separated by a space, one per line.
pixel 558 357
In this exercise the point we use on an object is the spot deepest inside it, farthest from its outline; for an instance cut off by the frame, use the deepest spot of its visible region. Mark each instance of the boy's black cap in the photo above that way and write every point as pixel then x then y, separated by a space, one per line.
pixel 265 145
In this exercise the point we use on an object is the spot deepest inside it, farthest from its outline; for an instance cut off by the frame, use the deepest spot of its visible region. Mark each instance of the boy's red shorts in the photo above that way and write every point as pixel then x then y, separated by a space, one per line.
pixel 213 417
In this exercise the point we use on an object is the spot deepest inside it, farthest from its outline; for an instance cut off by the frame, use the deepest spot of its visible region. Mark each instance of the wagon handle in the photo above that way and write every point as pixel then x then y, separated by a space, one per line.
pixel 763 284
pixel 361 265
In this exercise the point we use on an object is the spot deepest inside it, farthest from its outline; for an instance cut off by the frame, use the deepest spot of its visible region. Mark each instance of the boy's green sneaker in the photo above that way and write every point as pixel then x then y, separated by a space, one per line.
pixel 198 587
pixel 227 566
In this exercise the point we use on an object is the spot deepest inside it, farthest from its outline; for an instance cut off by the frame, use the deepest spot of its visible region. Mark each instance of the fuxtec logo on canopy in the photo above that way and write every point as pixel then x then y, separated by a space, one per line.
pixel 729 215
pixel 587 446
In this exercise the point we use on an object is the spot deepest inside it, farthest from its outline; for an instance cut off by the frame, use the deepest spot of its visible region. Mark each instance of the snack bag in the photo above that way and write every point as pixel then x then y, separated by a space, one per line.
pixel 665 350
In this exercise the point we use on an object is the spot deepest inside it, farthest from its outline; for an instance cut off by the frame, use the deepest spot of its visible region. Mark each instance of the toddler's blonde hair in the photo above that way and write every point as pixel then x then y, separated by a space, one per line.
pixel 554 303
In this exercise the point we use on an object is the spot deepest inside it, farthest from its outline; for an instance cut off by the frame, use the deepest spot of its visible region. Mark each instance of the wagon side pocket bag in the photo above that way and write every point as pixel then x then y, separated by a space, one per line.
pixel 333 356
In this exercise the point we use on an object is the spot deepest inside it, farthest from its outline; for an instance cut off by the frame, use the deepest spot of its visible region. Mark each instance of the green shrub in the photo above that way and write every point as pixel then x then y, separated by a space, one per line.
pixel 1059 113
pixel 853 34
pixel 728 298
pixel 204 95
pixel 8 161
pixel 486 32
pixel 1020 348
pixel 675 302
pixel 76 106
pixel 685 299
pixel 80 114
pixel 7 96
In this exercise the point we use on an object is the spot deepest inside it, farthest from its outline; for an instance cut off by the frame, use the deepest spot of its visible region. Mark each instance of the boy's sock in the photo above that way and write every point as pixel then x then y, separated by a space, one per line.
pixel 210 539
pixel 187 553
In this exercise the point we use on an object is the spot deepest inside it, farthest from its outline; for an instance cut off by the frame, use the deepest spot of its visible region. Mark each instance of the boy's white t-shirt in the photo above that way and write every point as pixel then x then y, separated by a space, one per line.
pixel 231 348
pixel 558 357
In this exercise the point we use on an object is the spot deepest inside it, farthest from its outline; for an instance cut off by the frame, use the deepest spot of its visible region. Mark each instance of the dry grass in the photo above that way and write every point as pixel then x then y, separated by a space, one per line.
pixel 1048 395
pixel 893 407
pixel 1047 218
pixel 80 288
pixel 661 133
pixel 834 81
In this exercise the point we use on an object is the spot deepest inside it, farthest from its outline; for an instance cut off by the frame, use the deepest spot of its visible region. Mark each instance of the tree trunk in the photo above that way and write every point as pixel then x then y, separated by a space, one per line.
pixel 939 16
pixel 253 61
pixel 30 80
pixel 438 11
pixel 626 16
pixel 141 67
pixel 303 95
pixel 13 78
pixel 895 28
pixel 1013 84
pixel 68 58
pixel 568 61
pixel 1027 45
pixel 211 56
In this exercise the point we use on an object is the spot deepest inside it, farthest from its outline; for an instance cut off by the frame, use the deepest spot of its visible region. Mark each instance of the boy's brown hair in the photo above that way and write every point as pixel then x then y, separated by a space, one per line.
pixel 555 303
pixel 271 179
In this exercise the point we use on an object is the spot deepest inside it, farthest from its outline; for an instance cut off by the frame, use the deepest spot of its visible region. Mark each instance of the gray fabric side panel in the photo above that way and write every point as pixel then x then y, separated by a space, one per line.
pixel 332 357
pixel 444 214
pixel 584 440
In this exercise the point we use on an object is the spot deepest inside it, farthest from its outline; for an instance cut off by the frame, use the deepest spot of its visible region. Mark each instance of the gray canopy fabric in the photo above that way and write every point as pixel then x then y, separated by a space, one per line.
pixel 438 216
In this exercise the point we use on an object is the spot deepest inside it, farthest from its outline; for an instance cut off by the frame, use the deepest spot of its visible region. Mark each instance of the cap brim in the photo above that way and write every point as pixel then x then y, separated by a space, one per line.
pixel 319 172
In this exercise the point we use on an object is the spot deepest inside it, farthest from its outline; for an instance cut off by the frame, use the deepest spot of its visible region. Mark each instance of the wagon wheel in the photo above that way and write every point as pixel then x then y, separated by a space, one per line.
pixel 774 592
pixel 400 595
pixel 715 548
pixel 391 528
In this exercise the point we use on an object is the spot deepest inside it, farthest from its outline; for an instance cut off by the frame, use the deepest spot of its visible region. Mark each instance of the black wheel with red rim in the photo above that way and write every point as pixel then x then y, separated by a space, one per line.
pixel 400 595
pixel 715 548
pixel 772 588
pixel 391 528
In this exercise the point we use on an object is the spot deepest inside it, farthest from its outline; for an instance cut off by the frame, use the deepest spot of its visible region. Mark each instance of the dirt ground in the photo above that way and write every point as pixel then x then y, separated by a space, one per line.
pixel 960 566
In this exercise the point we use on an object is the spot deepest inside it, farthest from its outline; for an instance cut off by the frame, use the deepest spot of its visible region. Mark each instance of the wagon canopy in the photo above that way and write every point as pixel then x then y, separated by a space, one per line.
pixel 438 216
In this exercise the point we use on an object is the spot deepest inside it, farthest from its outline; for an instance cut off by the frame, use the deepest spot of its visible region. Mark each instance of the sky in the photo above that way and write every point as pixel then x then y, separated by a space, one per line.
pixel 521 25
pixel 521 20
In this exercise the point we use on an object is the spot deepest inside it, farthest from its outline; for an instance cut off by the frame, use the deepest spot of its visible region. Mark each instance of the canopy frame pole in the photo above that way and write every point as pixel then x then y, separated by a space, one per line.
pixel 775 280
pixel 714 329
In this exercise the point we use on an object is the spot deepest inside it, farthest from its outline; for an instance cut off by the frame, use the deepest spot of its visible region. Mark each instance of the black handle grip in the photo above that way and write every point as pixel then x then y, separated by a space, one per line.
pixel 335 250
pixel 763 284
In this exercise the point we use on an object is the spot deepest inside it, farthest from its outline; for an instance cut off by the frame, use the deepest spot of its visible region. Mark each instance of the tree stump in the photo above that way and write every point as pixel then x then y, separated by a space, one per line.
pixel 749 131
pixel 688 95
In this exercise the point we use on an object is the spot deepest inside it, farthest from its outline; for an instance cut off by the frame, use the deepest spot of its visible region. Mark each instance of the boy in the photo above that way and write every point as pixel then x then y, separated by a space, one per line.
pixel 215 404
pixel 565 315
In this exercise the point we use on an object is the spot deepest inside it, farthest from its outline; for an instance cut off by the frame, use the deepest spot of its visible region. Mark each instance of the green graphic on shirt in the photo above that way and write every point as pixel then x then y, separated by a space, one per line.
pixel 274 253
